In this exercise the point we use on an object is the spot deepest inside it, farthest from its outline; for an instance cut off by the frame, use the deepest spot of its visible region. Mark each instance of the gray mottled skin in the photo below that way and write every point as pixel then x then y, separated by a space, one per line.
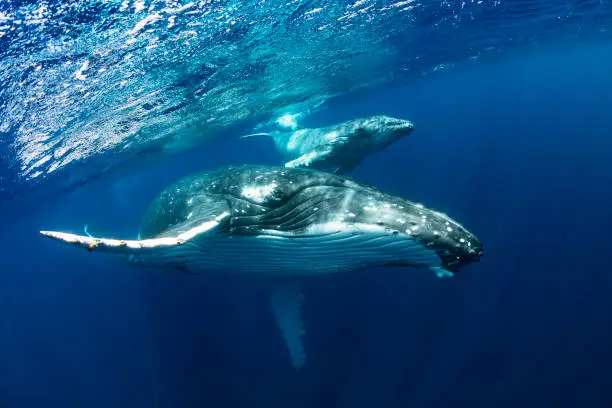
pixel 296 199
pixel 340 147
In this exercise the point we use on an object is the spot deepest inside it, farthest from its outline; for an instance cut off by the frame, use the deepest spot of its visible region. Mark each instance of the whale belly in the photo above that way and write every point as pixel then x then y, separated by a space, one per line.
pixel 275 255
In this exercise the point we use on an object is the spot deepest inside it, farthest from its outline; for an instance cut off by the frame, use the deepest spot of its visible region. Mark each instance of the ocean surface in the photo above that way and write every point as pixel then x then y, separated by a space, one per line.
pixel 104 103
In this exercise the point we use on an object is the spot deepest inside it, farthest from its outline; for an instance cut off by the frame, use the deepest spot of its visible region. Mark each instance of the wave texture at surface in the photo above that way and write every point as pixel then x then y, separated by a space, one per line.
pixel 107 82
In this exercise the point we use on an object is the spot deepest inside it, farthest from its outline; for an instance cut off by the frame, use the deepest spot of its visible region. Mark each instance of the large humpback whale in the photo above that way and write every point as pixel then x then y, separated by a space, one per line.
pixel 341 147
pixel 283 224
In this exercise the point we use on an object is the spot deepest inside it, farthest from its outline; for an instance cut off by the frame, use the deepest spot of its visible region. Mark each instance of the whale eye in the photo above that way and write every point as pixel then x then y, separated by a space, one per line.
pixel 276 193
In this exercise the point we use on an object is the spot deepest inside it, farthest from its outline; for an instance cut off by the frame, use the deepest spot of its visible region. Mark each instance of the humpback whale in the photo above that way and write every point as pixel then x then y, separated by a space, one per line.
pixel 341 147
pixel 284 224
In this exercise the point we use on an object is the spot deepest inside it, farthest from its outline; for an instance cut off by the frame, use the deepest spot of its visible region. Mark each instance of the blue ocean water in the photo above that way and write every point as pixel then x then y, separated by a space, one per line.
pixel 510 102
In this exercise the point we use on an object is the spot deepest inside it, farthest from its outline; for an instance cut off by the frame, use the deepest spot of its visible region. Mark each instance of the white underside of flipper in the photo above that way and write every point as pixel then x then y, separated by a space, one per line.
pixel 127 247
pixel 286 301
pixel 303 161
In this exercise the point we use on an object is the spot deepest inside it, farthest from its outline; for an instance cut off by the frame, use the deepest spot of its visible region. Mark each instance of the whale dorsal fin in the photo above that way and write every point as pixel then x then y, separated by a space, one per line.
pixel 286 301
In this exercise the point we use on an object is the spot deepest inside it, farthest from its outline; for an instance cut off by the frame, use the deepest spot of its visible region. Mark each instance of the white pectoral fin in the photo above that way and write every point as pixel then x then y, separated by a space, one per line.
pixel 127 247
pixel 286 301
pixel 303 161
pixel 311 157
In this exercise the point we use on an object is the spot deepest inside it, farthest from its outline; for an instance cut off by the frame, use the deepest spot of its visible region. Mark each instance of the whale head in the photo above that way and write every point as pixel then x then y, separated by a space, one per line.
pixel 386 129
pixel 455 246
pixel 398 232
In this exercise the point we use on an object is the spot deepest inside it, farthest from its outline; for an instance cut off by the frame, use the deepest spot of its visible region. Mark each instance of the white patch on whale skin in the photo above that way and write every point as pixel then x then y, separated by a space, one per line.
pixel 331 136
pixel 288 121
pixel 303 160
pixel 258 193
pixel 296 142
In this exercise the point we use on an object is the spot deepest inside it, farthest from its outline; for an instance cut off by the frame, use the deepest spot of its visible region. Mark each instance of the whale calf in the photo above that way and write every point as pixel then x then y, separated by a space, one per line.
pixel 341 147
pixel 284 224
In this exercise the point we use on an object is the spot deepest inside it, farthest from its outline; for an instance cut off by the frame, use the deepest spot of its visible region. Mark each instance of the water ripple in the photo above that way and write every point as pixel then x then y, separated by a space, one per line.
pixel 110 80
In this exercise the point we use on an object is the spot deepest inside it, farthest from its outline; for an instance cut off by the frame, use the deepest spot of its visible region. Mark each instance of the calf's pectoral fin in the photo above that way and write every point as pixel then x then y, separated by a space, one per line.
pixel 307 159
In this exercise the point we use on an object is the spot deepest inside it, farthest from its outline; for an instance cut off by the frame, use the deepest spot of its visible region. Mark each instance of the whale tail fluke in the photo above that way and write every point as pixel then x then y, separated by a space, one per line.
pixel 286 301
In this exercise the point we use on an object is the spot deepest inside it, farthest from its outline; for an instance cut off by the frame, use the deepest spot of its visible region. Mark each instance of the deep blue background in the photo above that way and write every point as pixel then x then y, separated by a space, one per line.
pixel 518 150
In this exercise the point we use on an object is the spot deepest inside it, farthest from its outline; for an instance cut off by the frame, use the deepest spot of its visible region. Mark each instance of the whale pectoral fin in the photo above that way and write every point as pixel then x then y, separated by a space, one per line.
pixel 307 159
pixel 286 301
pixel 304 160
pixel 137 247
